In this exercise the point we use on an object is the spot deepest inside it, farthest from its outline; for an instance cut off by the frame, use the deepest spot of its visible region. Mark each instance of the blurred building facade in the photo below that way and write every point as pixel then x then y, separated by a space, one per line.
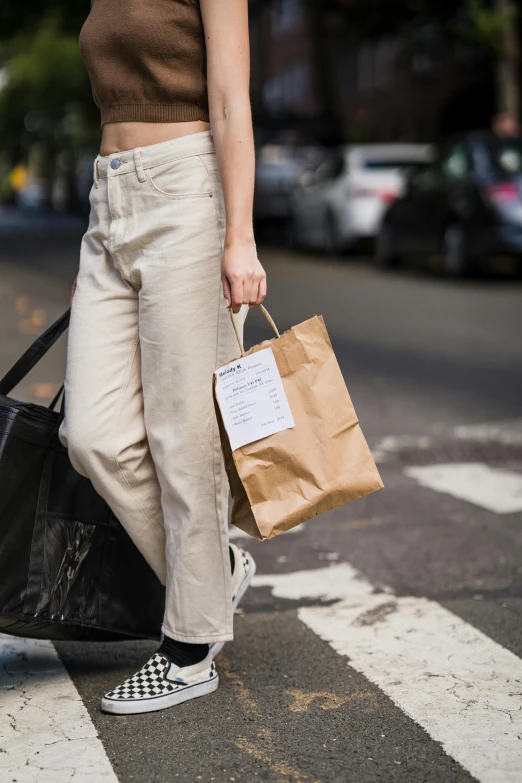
pixel 313 72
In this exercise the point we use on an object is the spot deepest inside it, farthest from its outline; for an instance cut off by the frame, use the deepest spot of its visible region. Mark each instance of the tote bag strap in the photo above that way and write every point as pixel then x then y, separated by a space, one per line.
pixel 55 399
pixel 33 355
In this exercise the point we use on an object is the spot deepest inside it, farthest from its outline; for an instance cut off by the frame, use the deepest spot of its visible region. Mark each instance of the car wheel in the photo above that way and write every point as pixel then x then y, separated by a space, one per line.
pixel 458 261
pixel 386 254
pixel 331 241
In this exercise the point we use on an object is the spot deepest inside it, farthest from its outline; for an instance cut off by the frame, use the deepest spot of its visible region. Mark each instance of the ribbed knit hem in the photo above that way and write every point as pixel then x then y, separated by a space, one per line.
pixel 154 112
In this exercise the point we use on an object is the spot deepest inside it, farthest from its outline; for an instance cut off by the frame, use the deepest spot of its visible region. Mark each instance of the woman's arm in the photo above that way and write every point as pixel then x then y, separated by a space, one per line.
pixel 228 77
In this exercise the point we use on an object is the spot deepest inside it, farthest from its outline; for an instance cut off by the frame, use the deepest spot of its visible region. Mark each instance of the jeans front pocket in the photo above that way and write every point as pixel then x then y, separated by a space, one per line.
pixel 181 178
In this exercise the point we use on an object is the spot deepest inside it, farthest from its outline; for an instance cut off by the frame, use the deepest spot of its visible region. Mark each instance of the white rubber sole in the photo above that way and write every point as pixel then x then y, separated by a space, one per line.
pixel 243 587
pixel 131 707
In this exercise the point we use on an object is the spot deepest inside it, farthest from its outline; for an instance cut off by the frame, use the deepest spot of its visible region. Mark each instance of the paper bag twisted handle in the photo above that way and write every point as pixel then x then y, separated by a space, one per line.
pixel 268 318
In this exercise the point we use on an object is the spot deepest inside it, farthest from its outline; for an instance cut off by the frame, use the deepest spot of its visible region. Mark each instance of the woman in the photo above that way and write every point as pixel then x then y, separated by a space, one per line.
pixel 168 251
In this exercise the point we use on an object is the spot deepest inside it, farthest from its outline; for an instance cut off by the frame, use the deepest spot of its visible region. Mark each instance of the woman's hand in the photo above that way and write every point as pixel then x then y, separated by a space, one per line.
pixel 73 289
pixel 244 279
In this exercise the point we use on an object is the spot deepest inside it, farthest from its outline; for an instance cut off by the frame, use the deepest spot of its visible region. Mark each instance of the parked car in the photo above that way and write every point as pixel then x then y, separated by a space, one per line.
pixel 277 169
pixel 465 206
pixel 342 199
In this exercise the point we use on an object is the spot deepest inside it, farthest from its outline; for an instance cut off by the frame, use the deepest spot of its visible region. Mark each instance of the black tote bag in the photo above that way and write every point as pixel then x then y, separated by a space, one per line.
pixel 68 569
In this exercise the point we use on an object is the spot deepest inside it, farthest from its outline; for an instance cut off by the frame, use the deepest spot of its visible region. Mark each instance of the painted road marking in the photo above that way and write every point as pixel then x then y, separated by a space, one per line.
pixel 463 688
pixel 494 489
pixel 46 734
pixel 508 431
pixel 388 446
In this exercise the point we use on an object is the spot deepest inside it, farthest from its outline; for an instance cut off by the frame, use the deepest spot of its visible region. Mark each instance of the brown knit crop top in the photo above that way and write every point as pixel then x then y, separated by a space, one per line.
pixel 146 60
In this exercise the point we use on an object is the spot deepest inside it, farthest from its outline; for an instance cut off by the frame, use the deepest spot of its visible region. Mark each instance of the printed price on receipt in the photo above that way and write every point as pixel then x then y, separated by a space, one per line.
pixel 252 399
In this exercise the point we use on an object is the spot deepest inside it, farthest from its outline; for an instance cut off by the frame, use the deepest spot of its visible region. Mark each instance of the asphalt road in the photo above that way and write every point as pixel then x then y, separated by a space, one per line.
pixel 382 641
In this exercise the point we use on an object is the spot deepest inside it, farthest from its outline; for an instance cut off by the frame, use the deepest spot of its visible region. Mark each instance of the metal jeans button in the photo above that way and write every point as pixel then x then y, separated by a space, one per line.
pixel 115 164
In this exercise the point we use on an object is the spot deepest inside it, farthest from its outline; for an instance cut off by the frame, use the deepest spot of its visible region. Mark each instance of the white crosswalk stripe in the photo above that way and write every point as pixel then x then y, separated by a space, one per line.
pixel 463 688
pixel 46 734
pixel 508 432
pixel 494 489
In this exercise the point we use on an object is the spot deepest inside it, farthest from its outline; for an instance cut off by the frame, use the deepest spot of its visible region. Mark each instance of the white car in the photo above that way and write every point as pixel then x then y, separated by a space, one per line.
pixel 277 168
pixel 343 199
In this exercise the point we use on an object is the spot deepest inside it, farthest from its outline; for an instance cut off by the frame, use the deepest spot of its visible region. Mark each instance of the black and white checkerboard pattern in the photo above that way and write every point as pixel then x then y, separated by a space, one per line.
pixel 151 681
pixel 246 560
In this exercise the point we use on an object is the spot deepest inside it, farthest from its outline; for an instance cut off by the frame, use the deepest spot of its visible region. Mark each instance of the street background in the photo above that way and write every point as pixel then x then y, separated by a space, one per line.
pixel 380 641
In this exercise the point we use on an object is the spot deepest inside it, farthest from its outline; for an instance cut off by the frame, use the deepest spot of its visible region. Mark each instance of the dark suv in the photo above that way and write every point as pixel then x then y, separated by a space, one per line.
pixel 467 205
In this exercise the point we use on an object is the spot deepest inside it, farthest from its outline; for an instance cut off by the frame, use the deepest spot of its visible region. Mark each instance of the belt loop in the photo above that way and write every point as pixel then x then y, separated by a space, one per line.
pixel 139 164
pixel 95 172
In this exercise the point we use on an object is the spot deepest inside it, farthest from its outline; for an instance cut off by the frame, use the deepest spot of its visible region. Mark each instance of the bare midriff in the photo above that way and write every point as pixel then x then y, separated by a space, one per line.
pixel 121 136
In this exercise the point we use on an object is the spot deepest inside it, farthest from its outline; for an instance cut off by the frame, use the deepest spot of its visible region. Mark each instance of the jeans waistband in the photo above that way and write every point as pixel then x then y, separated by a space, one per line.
pixel 150 155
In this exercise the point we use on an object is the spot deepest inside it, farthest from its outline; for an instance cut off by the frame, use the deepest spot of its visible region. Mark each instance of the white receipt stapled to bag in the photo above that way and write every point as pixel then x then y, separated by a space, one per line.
pixel 252 399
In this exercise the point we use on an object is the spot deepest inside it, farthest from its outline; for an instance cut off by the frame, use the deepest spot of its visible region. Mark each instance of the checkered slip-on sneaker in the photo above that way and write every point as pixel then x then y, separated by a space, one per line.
pixel 244 570
pixel 160 684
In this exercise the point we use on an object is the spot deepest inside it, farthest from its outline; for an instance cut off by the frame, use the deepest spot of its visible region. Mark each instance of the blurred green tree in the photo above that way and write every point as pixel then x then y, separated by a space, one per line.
pixel 44 75
pixel 45 95
pixel 25 17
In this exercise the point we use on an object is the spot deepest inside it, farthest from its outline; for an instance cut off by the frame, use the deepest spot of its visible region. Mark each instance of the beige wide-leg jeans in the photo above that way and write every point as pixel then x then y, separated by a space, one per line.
pixel 149 325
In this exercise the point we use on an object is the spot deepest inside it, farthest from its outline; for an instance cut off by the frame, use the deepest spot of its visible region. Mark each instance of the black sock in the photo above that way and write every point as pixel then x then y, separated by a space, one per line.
pixel 181 653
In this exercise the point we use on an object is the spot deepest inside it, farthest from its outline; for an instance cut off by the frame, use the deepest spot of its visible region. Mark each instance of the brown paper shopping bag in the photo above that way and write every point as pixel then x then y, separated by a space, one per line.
pixel 322 462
